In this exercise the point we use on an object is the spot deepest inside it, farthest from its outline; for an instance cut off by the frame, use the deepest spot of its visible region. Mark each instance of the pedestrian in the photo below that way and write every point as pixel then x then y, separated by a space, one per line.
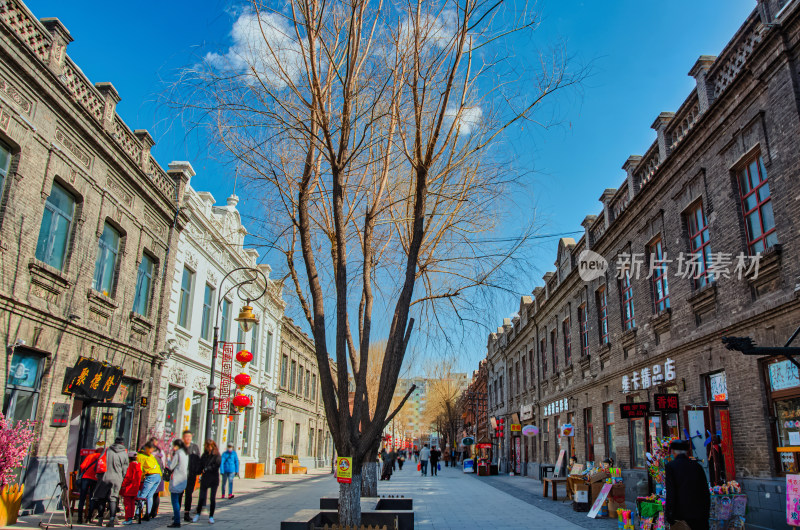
pixel 424 455
pixel 388 465
pixel 229 468
pixel 401 458
pixel 151 472
pixel 89 468
pixel 209 479
pixel 688 500
pixel 159 454
pixel 130 487
pixel 194 469
pixel 179 475
pixel 435 456
pixel 446 457
pixel 108 484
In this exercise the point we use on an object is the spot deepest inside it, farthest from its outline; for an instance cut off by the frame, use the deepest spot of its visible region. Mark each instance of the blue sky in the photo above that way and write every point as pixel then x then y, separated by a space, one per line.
pixel 639 51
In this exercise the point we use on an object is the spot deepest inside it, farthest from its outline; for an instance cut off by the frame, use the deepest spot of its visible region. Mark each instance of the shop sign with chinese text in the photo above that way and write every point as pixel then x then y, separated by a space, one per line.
pixel 93 379
pixel 515 427
pixel 783 375
pixel 793 500
pixel 666 403
pixel 224 401
pixel 632 411
pixel 649 377
pixel 556 407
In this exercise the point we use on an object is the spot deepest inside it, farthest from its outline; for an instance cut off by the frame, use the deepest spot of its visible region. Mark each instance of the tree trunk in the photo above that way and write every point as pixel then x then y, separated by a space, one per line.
pixel 350 501
pixel 369 478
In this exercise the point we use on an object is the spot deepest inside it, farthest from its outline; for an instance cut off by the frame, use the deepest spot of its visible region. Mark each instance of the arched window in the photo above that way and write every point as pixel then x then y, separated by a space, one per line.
pixel 106 265
pixel 56 227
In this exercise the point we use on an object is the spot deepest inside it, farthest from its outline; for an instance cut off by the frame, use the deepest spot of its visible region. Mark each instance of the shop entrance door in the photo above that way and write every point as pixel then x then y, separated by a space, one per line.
pixel 697 424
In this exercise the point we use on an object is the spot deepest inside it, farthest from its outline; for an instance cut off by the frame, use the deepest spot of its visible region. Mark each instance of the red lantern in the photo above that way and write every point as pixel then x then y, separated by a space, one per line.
pixel 241 401
pixel 242 380
pixel 244 357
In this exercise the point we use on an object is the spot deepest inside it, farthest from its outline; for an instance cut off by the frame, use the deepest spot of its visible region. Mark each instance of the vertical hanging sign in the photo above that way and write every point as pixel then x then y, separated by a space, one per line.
pixel 727 444
pixel 224 401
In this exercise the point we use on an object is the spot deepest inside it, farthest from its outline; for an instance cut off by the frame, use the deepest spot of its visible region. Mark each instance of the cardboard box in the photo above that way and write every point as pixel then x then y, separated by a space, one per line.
pixel 616 498
pixel 595 490
pixel 581 493
pixel 599 476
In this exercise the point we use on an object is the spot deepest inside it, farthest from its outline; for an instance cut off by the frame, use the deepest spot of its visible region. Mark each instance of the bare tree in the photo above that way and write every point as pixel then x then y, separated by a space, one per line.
pixel 444 387
pixel 374 132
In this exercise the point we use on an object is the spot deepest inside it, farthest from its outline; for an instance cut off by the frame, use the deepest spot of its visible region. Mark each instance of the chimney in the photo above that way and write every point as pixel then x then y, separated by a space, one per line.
pixel 110 100
pixel 705 93
pixel 660 125
pixel 605 198
pixel 629 167
pixel 58 48
pixel 147 145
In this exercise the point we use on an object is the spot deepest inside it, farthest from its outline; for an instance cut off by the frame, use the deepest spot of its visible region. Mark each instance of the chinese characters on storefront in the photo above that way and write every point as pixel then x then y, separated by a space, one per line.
pixel 225 380
pixel 649 377
pixel 666 403
pixel 93 379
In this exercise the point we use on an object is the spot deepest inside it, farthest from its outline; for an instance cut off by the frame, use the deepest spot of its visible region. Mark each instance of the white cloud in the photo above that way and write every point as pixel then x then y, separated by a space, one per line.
pixel 270 48
pixel 469 118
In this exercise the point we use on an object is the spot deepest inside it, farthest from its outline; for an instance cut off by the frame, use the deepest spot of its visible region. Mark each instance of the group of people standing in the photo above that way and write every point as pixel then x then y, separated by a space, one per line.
pixel 138 477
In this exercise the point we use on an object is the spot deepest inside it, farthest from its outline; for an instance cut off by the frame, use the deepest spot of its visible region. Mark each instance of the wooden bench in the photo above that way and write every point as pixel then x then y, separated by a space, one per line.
pixel 555 481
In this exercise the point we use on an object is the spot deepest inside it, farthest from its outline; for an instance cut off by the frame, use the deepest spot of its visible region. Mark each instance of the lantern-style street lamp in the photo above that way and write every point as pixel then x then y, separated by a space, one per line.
pixel 246 319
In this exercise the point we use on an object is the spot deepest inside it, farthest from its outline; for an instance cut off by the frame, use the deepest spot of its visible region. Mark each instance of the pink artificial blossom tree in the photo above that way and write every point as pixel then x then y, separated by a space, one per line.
pixel 15 442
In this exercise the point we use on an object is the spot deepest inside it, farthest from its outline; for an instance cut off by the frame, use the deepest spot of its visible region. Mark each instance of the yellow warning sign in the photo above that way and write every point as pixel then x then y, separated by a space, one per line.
pixel 344 469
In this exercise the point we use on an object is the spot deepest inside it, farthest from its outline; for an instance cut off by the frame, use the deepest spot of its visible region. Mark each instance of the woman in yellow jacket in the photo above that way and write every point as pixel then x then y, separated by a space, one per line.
pixel 151 476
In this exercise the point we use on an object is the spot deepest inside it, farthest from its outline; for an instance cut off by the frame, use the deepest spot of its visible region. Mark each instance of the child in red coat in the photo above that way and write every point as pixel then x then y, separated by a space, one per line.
pixel 130 488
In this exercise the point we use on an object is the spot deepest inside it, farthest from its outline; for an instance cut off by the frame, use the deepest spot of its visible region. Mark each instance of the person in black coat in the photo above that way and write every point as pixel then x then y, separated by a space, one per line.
pixel 688 498
pixel 210 462
pixel 194 469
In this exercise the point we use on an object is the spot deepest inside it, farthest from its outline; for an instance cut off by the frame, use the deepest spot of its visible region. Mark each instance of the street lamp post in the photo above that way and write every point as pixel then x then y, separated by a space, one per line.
pixel 246 319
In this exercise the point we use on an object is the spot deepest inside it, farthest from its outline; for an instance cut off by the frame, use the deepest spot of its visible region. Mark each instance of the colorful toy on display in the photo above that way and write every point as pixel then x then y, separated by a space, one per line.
pixel 658 459
pixel 624 519
pixel 729 488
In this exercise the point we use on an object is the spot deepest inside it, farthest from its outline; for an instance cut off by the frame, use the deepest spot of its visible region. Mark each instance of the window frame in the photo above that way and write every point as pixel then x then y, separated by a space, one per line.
pixel 543 353
pixel 207 321
pixel 293 376
pixel 760 203
pixel 602 313
pixel 583 323
pixel 554 348
pixel 626 299
pixel 695 231
pixel 567 341
pixel 140 275
pixel 254 335
pixel 104 250
pixel 49 205
pixel 284 370
pixel 225 318
pixel 5 171
pixel 659 277
pixel 608 429
pixel 184 319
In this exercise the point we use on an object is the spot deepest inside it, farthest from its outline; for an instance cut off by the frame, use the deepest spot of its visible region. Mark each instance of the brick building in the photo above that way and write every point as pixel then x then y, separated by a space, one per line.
pixel 301 428
pixel 473 404
pixel 87 221
pixel 718 182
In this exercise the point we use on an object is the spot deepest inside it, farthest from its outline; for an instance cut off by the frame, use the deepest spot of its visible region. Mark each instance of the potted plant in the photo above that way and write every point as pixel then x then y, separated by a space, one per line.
pixel 15 441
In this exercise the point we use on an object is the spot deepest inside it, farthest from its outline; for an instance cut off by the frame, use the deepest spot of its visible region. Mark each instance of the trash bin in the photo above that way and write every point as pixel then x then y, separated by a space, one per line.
pixel 282 466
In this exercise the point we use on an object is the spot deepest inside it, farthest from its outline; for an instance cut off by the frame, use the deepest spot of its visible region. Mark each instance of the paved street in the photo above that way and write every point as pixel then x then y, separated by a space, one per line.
pixel 452 500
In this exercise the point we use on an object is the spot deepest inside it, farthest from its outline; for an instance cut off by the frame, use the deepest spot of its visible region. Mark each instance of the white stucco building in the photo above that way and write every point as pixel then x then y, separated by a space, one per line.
pixel 210 247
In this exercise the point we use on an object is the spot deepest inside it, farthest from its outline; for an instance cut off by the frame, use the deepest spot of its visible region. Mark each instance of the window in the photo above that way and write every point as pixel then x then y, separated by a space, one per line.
pixel 308 384
pixel 246 446
pixel 567 342
pixel 23 384
pixel 310 441
pixel 296 439
pixel 589 434
pixel 279 442
pixel 510 381
pixel 502 389
pixel 583 322
pixel 106 265
pixel 516 378
pixel 608 417
pixel 171 415
pixel 226 320
pixel 697 226
pixel 5 165
pixel 240 338
pixel 531 363
pixel 254 344
pixel 208 317
pixel 543 353
pixel 56 228
pixel 232 428
pixel 602 314
pixel 554 350
pixel 659 277
pixel 313 387
pixel 284 363
pixel 638 437
pixel 196 418
pixel 546 442
pixel 757 207
pixel 626 293
pixel 268 352
pixel 293 376
pixel 524 374
pixel 144 286
pixel 185 307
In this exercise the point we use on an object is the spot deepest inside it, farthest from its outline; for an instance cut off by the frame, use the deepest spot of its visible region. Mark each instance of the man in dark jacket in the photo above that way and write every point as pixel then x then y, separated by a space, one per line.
pixel 194 470
pixel 108 483
pixel 688 498
pixel 435 456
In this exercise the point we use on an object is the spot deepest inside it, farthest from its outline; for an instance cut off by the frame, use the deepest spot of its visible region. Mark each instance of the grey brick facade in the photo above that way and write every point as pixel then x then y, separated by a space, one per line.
pixel 746 106
pixel 59 128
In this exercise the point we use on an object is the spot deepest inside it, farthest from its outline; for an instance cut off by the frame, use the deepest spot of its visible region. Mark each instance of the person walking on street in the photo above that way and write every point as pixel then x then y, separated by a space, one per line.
pixel 446 457
pixel 401 458
pixel 179 475
pixel 688 500
pixel 88 469
pixel 435 456
pixel 424 455
pixel 388 465
pixel 108 483
pixel 159 454
pixel 209 479
pixel 152 476
pixel 229 468
pixel 130 487
pixel 193 451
